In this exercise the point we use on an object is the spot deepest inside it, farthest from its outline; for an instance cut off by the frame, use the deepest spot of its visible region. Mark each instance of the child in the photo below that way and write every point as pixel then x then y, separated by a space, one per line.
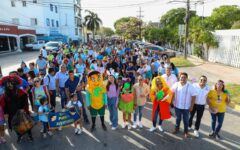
pixel 2 121
pixel 126 104
pixel 43 111
pixel 75 104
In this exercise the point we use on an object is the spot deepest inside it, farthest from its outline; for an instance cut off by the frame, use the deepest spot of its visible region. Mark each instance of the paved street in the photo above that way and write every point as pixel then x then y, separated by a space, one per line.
pixel 127 139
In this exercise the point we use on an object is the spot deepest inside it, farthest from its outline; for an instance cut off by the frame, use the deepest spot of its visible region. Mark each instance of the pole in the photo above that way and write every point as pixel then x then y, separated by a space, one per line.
pixel 186 29
pixel 140 22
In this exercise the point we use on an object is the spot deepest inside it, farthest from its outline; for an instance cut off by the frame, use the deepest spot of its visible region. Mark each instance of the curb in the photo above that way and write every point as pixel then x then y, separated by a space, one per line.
pixel 235 106
pixel 9 53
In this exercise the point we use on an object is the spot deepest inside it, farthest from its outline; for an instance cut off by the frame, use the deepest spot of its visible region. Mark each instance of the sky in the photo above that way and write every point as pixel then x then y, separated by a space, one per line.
pixel 111 10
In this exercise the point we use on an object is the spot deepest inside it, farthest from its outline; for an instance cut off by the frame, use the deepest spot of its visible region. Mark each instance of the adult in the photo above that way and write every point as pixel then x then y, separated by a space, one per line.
pixel 199 106
pixel 21 74
pixel 170 78
pixel 141 91
pixel 61 77
pixel 217 101
pixel 32 68
pixel 31 76
pixel 184 95
pixel 111 64
pixel 50 81
pixel 43 52
pixel 174 69
pixel 41 64
pixel 24 67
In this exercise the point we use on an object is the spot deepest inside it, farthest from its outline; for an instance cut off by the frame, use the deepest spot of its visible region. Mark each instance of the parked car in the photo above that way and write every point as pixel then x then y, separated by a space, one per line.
pixel 163 52
pixel 53 46
pixel 35 45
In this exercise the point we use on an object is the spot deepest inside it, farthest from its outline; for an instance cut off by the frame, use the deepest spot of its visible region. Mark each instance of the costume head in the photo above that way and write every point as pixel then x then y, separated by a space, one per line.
pixel 127 88
pixel 95 79
pixel 159 80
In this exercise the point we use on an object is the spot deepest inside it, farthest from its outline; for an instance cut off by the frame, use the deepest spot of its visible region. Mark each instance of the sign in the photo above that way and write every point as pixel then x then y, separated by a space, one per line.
pixel 62 119
pixel 181 29
pixel 8 29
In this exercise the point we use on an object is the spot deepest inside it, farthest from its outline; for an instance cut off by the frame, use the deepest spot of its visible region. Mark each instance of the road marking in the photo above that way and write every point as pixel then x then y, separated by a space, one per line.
pixel 173 136
pixel 141 137
pixel 13 146
pixel 91 135
pixel 69 141
pixel 214 143
pixel 134 142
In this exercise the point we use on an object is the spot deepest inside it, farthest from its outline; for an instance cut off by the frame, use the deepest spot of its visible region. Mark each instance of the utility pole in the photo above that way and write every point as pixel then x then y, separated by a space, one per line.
pixel 186 29
pixel 140 16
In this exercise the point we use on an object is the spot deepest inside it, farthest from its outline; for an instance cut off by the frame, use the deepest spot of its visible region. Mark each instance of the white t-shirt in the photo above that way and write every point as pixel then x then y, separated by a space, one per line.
pixel 44 53
pixel 202 94
pixel 171 80
pixel 62 77
pixel 71 104
pixel 50 84
pixel 183 95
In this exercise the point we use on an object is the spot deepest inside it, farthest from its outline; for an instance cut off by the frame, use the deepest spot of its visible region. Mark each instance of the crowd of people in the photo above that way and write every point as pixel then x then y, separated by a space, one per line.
pixel 109 74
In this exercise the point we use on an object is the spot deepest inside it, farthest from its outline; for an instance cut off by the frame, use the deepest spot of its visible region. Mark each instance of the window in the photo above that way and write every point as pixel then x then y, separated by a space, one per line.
pixel 56 10
pixel 13 3
pixel 76 31
pixel 33 21
pixel 52 23
pixel 34 1
pixel 51 7
pixel 57 25
pixel 24 3
pixel 15 21
pixel 48 22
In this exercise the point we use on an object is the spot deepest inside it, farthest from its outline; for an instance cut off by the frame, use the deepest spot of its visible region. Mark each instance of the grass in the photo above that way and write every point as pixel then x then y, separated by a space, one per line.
pixel 234 92
pixel 181 62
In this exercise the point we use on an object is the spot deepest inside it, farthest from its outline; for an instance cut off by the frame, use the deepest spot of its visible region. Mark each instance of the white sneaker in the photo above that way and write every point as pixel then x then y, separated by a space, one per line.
pixel 134 125
pixel 152 129
pixel 44 135
pixel 110 123
pixel 124 125
pixel 41 131
pixel 50 133
pixel 76 130
pixel 160 128
pixel 114 128
pixel 60 129
pixel 79 131
pixel 196 134
pixel 189 129
pixel 140 125
pixel 129 126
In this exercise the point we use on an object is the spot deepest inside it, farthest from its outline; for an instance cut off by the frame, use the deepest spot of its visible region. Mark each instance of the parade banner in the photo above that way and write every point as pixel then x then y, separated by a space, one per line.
pixel 62 119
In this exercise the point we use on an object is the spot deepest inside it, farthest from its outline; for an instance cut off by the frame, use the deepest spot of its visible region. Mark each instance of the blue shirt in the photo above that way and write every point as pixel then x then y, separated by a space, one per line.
pixel 24 84
pixel 80 68
pixel 156 65
pixel 84 57
pixel 72 85
pixel 43 109
pixel 108 50
pixel 99 57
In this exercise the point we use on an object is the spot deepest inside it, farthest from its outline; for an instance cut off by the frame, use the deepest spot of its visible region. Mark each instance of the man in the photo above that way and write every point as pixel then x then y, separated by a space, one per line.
pixel 50 81
pixel 75 85
pixel 170 78
pixel 24 84
pixel 41 64
pixel 61 78
pixel 140 91
pixel 112 64
pixel 199 106
pixel 44 52
pixel 21 74
pixel 184 95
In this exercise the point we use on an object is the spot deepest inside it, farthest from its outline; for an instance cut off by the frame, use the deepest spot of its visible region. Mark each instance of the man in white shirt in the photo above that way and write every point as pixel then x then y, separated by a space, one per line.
pixel 199 106
pixel 50 81
pixel 44 52
pixel 184 95
pixel 61 78
pixel 170 78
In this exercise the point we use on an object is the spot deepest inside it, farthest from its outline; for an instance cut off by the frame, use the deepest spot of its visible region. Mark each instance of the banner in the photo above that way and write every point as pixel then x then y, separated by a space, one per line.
pixel 62 119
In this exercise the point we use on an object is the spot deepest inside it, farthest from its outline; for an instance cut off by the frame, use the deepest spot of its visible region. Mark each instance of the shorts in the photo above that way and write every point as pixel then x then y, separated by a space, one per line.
pixel 95 112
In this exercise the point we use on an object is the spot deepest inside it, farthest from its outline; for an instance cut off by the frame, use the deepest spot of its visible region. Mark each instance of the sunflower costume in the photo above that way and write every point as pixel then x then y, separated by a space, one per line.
pixel 96 97
pixel 126 103
pixel 158 95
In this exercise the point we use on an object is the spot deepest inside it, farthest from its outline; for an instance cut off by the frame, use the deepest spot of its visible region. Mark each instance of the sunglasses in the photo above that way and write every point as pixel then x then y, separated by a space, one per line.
pixel 203 80
pixel 36 81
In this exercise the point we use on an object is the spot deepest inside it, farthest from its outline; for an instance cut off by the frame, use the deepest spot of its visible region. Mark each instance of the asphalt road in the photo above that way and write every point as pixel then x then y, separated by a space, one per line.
pixel 120 139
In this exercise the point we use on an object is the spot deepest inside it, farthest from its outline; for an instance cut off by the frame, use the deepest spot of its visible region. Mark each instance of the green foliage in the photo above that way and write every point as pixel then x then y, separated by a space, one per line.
pixel 105 31
pixel 236 25
pixel 128 27
pixel 197 50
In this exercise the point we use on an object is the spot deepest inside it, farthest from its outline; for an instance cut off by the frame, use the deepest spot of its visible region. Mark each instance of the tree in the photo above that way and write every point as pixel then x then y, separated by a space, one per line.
pixel 224 17
pixel 106 31
pixel 128 27
pixel 236 25
pixel 92 22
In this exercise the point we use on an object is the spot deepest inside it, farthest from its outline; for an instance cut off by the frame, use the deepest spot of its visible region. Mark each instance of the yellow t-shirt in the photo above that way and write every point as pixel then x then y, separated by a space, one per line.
pixel 50 57
pixel 221 105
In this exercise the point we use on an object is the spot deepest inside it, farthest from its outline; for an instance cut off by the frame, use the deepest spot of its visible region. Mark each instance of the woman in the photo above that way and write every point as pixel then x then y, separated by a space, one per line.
pixel 31 76
pixel 217 101
pixel 174 69
pixel 24 67
pixel 80 68
pixel 33 68
pixel 112 94
pixel 100 67
pixel 39 91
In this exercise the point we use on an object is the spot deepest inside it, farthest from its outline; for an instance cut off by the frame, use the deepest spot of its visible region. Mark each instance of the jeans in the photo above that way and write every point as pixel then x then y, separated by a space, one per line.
pixel 155 118
pixel 53 98
pixel 199 109
pixel 79 95
pixel 45 127
pixel 179 114
pixel 139 110
pixel 113 111
pixel 217 117
pixel 63 97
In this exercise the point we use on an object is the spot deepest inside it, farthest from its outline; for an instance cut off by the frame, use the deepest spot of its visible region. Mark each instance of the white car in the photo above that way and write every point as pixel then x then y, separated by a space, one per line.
pixel 36 45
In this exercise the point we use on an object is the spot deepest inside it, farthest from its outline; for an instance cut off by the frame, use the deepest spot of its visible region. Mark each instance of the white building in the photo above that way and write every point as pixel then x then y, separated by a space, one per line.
pixel 50 18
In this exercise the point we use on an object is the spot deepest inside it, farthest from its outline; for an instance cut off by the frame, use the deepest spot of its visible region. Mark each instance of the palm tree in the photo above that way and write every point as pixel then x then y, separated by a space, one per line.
pixel 92 22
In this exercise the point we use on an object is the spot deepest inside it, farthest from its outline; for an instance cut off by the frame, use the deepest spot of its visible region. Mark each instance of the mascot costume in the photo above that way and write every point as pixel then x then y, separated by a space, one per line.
pixel 96 97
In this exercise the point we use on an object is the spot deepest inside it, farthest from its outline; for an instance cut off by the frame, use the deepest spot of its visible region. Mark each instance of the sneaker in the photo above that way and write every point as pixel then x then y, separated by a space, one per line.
pixel 124 125
pixel 140 125
pixel 92 128
pixel 134 125
pixel 41 131
pixel 175 131
pixel 44 135
pixel 160 128
pixel 218 136
pixel 129 127
pixel 196 134
pixel 152 129
pixel 50 133
pixel 104 127
pixel 114 128
pixel 76 130
pixel 79 131
pixel 212 134
pixel 110 123
pixel 189 129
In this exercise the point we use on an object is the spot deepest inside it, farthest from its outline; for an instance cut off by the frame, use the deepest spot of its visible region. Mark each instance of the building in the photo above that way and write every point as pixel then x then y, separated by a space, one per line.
pixel 51 19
